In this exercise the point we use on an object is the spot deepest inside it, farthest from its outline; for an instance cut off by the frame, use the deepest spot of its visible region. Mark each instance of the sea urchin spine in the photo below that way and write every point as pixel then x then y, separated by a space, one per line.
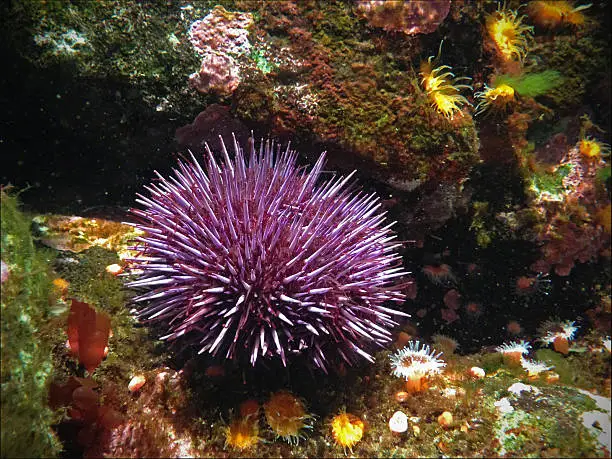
pixel 255 259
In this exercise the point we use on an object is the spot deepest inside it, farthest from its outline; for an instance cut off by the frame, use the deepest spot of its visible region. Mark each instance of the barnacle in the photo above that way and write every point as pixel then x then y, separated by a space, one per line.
pixel 442 87
pixel 508 32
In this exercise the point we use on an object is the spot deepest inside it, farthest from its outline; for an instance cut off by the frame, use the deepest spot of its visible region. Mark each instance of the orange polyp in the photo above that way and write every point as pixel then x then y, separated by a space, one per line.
pixel 561 345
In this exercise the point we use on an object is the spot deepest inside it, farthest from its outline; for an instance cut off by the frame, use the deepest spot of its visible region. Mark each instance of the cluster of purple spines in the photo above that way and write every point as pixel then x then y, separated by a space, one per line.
pixel 253 259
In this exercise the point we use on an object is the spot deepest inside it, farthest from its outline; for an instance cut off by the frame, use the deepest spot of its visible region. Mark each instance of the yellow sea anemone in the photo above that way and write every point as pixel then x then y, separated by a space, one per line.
pixel 552 14
pixel 496 98
pixel 509 34
pixel 242 433
pixel 347 429
pixel 593 148
pixel 442 87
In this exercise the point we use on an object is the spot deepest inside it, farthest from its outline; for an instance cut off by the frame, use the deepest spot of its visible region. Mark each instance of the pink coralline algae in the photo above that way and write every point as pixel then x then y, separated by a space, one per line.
pixel 218 73
pixel 410 16
pixel 221 37
pixel 570 231
pixel 5 271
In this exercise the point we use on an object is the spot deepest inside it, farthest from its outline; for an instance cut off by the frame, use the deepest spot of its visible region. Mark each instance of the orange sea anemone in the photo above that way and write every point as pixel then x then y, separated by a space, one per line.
pixel 604 217
pixel 511 37
pixel 442 87
pixel 446 343
pixel 286 415
pixel 552 14
pixel 347 429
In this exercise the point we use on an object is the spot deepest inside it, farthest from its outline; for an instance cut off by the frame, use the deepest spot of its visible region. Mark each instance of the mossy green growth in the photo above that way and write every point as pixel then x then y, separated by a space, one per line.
pixel 531 84
pixel 604 174
pixel 131 348
pixel 26 354
pixel 550 183
pixel 546 422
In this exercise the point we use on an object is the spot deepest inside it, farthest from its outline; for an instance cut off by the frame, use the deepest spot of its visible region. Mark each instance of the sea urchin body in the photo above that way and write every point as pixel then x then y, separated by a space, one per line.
pixel 252 258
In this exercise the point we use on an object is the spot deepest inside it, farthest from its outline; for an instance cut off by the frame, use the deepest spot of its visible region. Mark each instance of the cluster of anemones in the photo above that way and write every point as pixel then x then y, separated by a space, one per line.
pixel 554 332
pixel 285 413
pixel 514 355
pixel 442 87
pixel 416 364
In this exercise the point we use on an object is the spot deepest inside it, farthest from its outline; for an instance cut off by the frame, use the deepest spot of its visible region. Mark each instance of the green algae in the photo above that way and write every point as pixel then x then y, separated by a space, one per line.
pixel 26 349
pixel 550 183
pixel 131 349
pixel 531 84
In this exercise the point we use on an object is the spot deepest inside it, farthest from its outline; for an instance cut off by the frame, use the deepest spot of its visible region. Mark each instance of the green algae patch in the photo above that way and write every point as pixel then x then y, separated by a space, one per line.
pixel 532 84
pixel 545 421
pixel 131 349
pixel 26 353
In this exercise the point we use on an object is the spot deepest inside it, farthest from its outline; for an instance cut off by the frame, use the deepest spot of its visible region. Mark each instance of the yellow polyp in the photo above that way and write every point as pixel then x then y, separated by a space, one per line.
pixel 443 88
pixel 347 429
pixel 496 98
pixel 554 13
pixel 509 34
pixel 592 148
pixel 242 433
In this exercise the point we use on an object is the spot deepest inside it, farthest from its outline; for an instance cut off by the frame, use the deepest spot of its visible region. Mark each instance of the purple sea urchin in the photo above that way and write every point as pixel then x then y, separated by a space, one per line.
pixel 255 259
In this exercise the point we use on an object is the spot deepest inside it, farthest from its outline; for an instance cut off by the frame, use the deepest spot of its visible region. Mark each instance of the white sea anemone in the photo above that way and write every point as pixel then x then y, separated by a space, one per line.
pixel 516 346
pixel 415 363
pixel 553 329
pixel 534 367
